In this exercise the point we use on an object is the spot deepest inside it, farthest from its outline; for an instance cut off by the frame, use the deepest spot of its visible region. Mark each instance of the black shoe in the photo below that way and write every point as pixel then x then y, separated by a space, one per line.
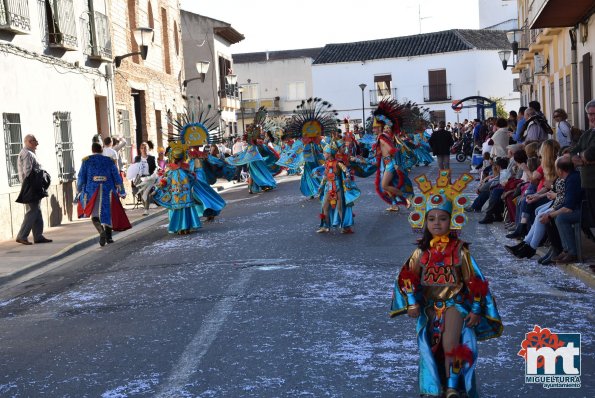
pixel 547 258
pixel 519 232
pixel 526 252
pixel 43 239
pixel 102 239
pixel 515 248
pixel 487 220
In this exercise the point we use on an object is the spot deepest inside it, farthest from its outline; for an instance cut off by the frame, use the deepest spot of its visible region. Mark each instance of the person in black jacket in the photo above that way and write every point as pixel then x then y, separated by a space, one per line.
pixel 148 166
pixel 34 182
pixel 440 141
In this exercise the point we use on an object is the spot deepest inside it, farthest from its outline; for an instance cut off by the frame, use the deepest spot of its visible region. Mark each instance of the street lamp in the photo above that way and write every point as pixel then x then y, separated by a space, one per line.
pixel 143 37
pixel 241 90
pixel 514 36
pixel 504 56
pixel 202 68
pixel 231 80
pixel 363 87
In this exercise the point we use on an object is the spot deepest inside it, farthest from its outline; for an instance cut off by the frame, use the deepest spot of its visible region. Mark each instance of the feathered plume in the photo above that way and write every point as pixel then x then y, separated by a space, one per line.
pixel 313 110
pixel 407 117
pixel 197 113
pixel 253 130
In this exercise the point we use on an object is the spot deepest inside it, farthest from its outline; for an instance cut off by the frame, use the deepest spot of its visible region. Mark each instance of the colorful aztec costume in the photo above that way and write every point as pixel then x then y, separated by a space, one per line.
pixel 99 188
pixel 260 178
pixel 338 191
pixel 421 148
pixel 313 119
pixel 179 189
pixel 442 285
pixel 394 158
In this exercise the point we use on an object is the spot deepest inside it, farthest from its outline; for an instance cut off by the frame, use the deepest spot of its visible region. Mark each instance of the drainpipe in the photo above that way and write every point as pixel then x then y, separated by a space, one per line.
pixel 574 76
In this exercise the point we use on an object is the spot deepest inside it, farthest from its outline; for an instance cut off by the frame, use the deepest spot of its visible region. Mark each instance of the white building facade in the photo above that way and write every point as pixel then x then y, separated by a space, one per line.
pixel 277 80
pixel 54 84
pixel 432 69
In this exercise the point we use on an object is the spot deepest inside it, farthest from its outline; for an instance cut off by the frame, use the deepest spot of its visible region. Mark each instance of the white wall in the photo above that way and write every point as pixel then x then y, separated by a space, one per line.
pixel 493 12
pixel 469 73
pixel 273 78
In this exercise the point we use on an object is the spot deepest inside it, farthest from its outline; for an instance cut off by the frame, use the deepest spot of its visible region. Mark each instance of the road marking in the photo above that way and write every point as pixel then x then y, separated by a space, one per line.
pixel 189 361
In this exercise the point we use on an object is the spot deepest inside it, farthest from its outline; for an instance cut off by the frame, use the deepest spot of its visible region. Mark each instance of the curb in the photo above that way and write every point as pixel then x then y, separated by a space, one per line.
pixel 579 270
pixel 68 250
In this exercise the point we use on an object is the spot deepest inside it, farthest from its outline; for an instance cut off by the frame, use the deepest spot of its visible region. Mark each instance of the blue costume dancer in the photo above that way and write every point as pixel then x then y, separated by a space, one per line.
pixel 260 178
pixel 99 187
pixel 394 158
pixel 442 286
pixel 338 194
pixel 184 189
pixel 421 148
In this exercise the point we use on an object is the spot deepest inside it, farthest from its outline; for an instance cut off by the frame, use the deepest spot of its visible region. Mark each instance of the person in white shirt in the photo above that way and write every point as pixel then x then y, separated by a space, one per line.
pixel 563 128
pixel 111 150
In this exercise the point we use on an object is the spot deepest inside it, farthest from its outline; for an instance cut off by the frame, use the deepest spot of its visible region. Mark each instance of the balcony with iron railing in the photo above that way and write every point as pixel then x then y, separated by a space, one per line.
pixel 250 106
pixel 437 93
pixel 378 95
pixel 229 96
pixel 14 16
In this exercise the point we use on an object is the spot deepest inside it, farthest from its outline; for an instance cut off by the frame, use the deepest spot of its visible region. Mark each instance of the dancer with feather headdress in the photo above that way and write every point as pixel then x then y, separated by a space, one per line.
pixel 182 187
pixel 260 178
pixel 313 119
pixel 393 157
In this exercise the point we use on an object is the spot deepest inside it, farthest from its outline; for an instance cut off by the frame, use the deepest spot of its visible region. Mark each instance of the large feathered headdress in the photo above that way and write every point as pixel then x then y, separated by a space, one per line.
pixel 313 118
pixel 401 117
pixel 196 127
pixel 253 130
pixel 443 196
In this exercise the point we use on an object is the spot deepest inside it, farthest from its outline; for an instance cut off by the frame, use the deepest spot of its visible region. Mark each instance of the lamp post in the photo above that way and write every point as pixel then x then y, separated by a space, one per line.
pixel 143 37
pixel 363 87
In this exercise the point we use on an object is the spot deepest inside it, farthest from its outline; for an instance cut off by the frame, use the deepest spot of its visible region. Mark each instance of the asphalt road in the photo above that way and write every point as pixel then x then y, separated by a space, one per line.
pixel 257 304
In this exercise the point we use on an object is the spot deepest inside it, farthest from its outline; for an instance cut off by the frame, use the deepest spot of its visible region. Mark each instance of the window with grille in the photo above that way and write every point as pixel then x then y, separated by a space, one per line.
pixel 14 16
pixel 125 132
pixel 95 35
pixel 61 24
pixel 64 146
pixel 13 142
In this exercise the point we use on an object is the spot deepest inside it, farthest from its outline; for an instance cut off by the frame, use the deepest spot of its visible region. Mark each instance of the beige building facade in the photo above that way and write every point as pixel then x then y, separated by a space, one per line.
pixel 556 43
pixel 147 92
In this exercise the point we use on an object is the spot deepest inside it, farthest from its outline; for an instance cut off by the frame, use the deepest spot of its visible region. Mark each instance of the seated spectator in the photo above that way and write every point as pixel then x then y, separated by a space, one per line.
pixel 528 247
pixel 583 156
pixel 560 228
pixel 495 203
pixel 563 128
pixel 542 178
pixel 500 138
pixel 487 183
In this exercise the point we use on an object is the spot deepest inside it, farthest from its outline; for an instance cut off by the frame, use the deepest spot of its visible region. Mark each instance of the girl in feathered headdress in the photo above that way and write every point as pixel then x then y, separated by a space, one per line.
pixel 312 121
pixel 338 192
pixel 442 286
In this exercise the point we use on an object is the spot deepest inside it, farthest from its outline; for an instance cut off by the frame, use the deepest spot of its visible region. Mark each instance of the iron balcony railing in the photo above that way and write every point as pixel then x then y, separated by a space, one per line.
pixel 252 105
pixel 437 92
pixel 230 91
pixel 14 16
pixel 101 43
pixel 378 95
pixel 61 24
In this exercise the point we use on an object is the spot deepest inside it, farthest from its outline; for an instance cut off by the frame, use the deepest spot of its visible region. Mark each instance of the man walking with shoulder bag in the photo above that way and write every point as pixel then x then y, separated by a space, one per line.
pixel 34 184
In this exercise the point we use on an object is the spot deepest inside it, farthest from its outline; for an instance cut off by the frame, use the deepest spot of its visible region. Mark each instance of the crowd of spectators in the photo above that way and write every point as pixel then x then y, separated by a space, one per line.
pixel 541 184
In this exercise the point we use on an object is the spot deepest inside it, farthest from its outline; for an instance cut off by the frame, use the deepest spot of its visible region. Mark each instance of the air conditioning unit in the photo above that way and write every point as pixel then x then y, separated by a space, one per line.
pixel 526 77
pixel 516 85
pixel 538 64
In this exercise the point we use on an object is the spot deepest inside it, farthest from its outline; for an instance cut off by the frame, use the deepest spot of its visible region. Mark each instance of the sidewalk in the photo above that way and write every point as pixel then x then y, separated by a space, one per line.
pixel 69 238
